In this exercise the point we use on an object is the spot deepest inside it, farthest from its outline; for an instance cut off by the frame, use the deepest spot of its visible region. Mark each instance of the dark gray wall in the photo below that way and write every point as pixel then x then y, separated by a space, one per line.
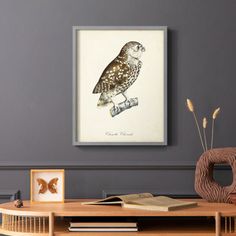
pixel 36 92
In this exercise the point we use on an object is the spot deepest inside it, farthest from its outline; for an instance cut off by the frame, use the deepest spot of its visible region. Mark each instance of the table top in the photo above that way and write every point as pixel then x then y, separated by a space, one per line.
pixel 75 208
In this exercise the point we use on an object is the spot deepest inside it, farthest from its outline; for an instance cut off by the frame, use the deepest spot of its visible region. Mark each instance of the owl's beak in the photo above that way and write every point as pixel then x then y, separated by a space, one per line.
pixel 143 49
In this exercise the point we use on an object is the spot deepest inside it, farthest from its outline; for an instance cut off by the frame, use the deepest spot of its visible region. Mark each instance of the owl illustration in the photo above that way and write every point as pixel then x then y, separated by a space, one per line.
pixel 119 75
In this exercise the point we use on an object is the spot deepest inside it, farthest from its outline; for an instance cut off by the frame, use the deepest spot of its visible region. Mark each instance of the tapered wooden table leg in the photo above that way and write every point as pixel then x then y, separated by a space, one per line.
pixel 51 224
pixel 218 224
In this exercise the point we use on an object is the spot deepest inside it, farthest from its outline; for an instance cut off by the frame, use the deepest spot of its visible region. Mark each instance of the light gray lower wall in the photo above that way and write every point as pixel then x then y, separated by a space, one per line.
pixel 36 92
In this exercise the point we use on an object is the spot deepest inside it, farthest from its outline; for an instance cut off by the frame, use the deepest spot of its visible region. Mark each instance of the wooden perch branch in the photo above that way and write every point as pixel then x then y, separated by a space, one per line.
pixel 115 110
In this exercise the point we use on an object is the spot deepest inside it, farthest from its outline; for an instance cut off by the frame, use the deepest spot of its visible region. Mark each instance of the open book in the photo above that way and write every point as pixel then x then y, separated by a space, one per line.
pixel 144 201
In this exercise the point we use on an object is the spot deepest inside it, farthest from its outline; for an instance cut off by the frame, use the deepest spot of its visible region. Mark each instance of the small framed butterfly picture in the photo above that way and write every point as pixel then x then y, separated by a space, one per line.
pixel 47 186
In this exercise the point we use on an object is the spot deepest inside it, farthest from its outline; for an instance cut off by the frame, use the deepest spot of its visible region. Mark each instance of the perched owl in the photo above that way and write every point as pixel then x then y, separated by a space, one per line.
pixel 120 74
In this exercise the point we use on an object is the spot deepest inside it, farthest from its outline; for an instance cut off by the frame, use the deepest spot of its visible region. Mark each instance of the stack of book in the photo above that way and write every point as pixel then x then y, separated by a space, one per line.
pixel 103 227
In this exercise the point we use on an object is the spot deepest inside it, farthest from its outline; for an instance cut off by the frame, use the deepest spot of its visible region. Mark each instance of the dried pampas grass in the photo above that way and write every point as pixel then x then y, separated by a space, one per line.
pixel 190 107
pixel 215 114
pixel 204 125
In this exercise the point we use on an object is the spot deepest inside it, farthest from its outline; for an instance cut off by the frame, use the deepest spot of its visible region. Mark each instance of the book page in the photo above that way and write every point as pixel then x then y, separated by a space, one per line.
pixel 120 199
pixel 131 197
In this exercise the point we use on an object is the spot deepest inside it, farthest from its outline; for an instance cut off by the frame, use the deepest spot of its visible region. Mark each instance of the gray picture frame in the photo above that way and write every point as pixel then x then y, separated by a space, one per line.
pixel 75 119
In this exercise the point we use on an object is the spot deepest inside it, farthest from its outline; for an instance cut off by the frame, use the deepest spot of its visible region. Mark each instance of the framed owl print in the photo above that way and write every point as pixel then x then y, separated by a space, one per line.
pixel 120 85
pixel 47 185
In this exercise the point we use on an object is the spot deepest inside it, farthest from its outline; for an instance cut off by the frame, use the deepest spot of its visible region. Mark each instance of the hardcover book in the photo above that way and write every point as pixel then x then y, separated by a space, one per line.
pixel 145 201
pixel 119 229
pixel 103 224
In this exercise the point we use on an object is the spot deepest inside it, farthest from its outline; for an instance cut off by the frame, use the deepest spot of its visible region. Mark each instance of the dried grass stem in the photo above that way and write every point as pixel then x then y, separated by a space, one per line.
pixel 199 131
pixel 212 132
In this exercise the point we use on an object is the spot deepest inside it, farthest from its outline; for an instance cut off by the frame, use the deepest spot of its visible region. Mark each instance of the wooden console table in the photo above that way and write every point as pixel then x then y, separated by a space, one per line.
pixel 216 219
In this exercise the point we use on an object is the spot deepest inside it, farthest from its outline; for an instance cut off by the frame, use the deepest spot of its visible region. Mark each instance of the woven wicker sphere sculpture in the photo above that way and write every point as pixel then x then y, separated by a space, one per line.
pixel 205 185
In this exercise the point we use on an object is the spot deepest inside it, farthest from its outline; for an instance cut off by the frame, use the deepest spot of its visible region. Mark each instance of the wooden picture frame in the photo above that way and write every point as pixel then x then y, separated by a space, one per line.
pixel 47 185
pixel 140 120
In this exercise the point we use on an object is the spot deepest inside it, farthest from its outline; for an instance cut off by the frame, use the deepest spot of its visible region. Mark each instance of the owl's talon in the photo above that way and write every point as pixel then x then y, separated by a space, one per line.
pixel 127 102
pixel 116 108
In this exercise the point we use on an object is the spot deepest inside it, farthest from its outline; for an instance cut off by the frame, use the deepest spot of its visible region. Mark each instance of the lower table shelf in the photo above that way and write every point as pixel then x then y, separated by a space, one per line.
pixel 198 226
pixel 169 227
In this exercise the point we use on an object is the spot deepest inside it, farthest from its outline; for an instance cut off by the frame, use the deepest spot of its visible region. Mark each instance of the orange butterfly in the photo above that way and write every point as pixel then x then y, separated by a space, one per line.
pixel 44 186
